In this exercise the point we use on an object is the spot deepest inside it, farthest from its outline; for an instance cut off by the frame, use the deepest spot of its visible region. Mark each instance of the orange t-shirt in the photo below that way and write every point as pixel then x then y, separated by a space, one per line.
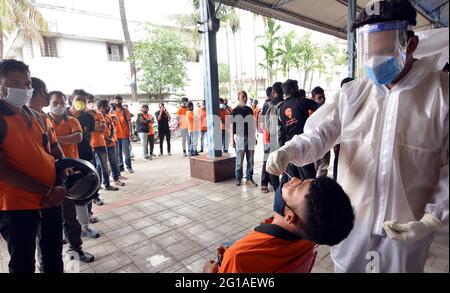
pixel 115 120
pixel 123 123
pixel 181 113
pixel 98 138
pixel 203 119
pixel 260 252
pixel 256 112
pixel 24 152
pixel 109 133
pixel 49 127
pixel 67 126
pixel 223 115
pixel 190 118
pixel 148 116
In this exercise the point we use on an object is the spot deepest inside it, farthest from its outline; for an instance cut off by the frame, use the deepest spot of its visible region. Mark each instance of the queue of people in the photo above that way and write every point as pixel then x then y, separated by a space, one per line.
pixel 75 127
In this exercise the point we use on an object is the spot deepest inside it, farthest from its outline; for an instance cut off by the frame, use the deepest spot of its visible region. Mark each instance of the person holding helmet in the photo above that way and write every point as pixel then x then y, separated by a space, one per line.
pixel 29 196
pixel 392 124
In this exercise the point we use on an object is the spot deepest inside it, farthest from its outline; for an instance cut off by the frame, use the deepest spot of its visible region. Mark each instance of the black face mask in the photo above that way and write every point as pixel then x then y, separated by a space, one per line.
pixel 279 204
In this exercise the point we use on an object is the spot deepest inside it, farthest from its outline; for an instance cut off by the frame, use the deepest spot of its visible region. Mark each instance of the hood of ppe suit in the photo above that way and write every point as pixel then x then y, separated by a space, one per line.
pixel 433 42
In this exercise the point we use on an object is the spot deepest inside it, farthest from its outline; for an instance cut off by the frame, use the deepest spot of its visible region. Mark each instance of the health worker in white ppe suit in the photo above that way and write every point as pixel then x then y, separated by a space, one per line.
pixel 392 124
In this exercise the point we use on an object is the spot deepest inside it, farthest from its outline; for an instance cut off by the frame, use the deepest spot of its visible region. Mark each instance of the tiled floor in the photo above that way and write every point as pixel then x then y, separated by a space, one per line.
pixel 165 221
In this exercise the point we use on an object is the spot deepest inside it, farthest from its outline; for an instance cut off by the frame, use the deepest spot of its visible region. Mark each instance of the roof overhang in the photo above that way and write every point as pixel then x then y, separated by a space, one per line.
pixel 330 16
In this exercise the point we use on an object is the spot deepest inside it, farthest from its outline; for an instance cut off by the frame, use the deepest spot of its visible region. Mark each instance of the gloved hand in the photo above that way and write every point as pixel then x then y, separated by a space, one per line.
pixel 412 231
pixel 278 161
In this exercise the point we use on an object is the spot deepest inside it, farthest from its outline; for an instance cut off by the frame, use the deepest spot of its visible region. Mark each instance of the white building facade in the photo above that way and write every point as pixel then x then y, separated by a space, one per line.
pixel 85 49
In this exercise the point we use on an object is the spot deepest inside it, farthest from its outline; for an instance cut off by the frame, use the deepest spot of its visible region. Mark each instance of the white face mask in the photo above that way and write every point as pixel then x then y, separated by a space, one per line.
pixel 58 110
pixel 18 97
pixel 90 106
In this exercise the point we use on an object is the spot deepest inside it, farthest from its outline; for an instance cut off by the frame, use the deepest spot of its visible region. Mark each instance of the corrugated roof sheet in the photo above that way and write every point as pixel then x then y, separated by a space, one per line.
pixel 327 16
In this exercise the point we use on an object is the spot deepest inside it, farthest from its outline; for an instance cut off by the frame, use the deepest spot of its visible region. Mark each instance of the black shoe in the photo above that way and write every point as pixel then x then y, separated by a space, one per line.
pixel 80 255
pixel 238 182
pixel 98 201
pixel 251 183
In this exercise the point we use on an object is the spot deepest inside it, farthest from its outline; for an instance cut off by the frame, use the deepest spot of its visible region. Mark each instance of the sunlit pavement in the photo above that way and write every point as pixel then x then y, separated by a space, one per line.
pixel 165 221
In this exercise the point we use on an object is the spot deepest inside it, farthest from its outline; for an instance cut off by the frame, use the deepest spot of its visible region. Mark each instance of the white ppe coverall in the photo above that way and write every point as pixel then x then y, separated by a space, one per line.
pixel 393 162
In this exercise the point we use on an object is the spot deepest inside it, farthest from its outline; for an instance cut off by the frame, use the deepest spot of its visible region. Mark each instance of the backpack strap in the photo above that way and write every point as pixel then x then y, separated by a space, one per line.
pixel 2 129
pixel 278 106
pixel 4 111
pixel 40 120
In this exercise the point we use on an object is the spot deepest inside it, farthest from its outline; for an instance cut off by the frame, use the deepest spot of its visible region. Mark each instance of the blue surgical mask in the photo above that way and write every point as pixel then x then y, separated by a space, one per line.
pixel 279 204
pixel 383 69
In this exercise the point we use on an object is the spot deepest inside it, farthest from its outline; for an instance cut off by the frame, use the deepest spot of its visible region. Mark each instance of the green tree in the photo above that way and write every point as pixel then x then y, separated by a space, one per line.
pixel 161 59
pixel 228 17
pixel 288 58
pixel 306 56
pixel 224 79
pixel 23 15
pixel 189 22
pixel 333 58
pixel 270 47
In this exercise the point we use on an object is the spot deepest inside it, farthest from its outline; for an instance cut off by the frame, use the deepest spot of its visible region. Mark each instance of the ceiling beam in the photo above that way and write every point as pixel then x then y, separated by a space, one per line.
pixel 345 3
pixel 281 3
pixel 320 26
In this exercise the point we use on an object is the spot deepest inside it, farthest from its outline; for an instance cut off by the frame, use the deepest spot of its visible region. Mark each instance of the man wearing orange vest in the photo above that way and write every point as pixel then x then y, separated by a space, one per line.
pixel 123 132
pixel 183 124
pixel 98 143
pixel 69 133
pixel 27 192
pixel 111 141
pixel 202 117
pixel 146 132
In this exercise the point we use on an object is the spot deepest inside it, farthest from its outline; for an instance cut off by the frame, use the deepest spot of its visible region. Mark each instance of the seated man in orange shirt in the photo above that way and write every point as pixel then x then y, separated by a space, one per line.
pixel 319 212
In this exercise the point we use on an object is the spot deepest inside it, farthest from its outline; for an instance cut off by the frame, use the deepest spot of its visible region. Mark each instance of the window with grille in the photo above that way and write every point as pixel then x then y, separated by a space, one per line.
pixel 49 49
pixel 115 52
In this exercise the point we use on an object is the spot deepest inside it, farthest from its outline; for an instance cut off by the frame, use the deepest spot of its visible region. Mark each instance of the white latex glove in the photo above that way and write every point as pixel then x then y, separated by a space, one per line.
pixel 412 231
pixel 278 161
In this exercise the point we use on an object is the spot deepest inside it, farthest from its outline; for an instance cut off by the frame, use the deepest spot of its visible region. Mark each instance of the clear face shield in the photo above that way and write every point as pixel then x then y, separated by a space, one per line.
pixel 382 51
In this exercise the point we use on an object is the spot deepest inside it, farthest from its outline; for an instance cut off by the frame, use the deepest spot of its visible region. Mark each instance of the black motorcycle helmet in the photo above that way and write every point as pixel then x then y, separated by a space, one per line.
pixel 83 181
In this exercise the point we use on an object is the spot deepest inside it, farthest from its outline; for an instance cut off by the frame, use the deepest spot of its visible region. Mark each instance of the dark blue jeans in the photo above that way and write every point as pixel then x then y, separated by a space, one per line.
pixel 192 143
pixel 20 230
pixel 249 155
pixel 124 149
pixel 112 157
pixel 101 162
pixel 225 141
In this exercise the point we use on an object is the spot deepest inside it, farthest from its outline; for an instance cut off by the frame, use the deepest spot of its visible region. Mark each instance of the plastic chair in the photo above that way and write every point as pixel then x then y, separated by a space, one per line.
pixel 303 264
